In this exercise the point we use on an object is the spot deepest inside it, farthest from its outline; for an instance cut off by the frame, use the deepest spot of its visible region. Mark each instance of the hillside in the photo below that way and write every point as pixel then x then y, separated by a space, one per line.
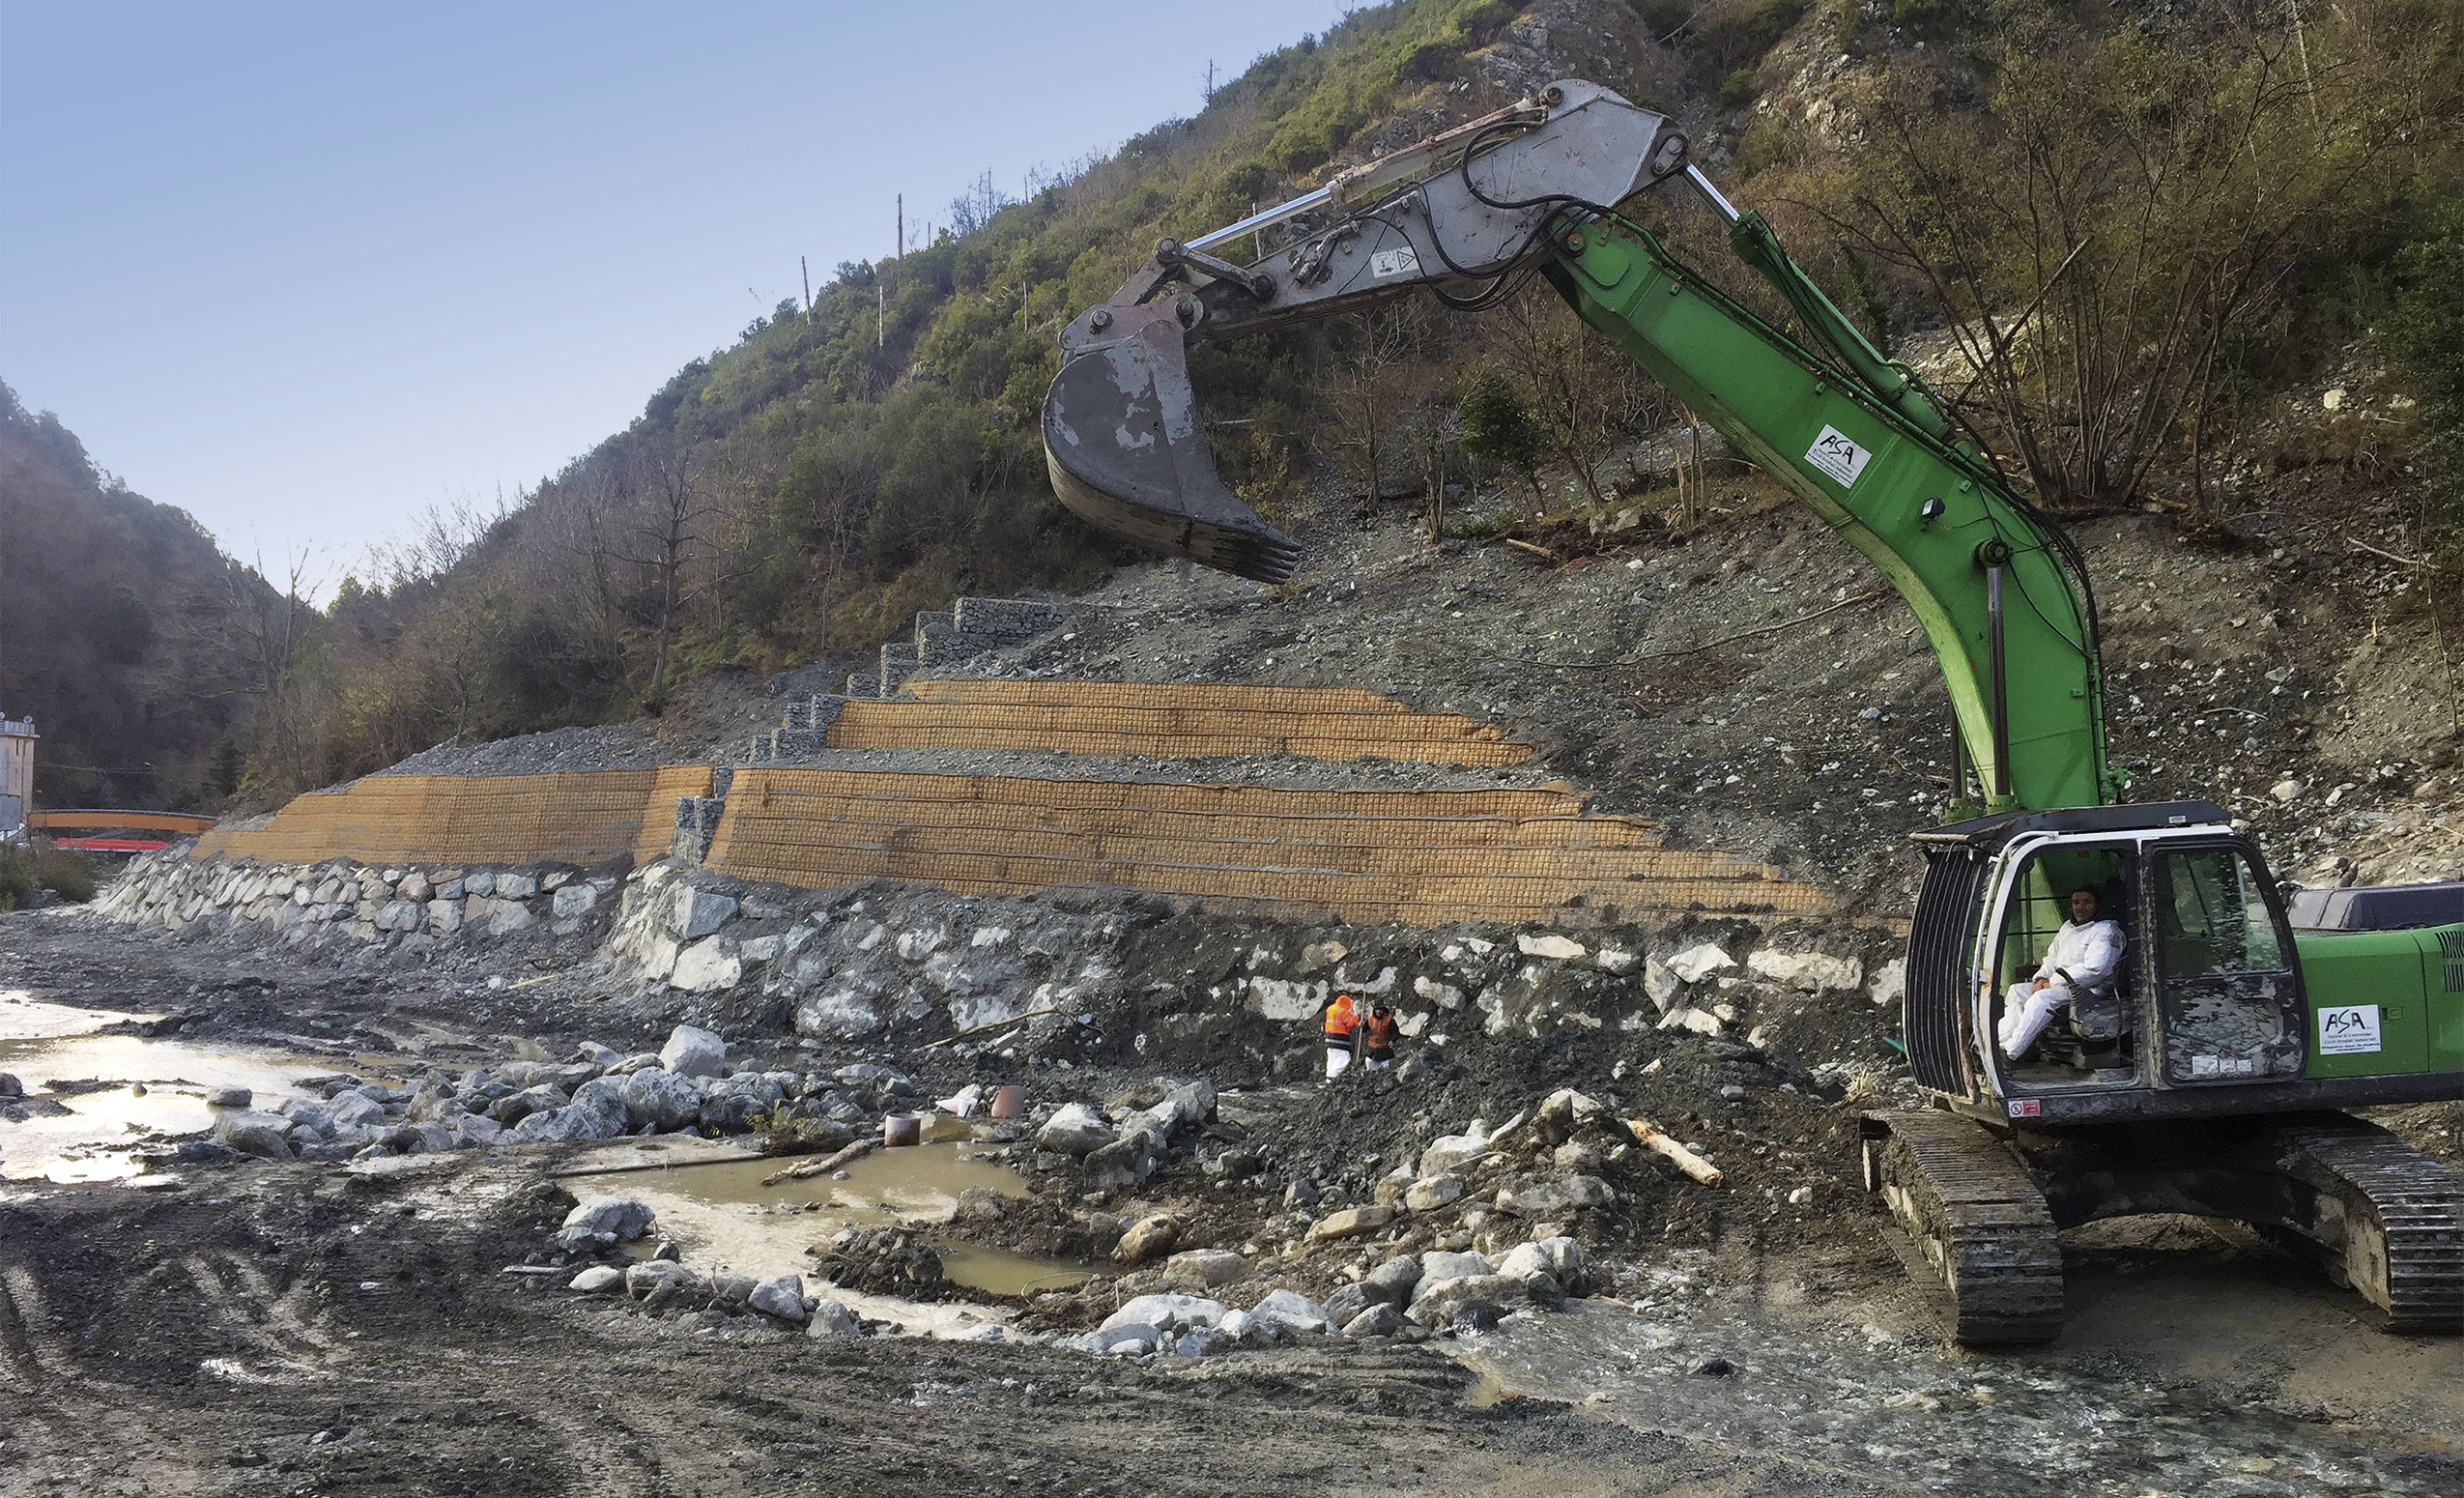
pixel 798 495
pixel 141 650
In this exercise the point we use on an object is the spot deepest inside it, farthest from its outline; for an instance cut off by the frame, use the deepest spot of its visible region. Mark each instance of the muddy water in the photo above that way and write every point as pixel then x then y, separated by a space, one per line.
pixel 725 1219
pixel 158 1088
pixel 2229 1378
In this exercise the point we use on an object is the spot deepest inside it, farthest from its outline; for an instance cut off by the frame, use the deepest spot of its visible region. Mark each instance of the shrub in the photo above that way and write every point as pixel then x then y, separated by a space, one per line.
pixel 1737 90
pixel 17 882
pixel 24 870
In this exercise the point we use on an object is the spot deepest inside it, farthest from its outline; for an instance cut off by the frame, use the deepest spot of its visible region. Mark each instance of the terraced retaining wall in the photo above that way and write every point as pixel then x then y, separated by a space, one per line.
pixel 1421 857
pixel 1170 720
pixel 580 818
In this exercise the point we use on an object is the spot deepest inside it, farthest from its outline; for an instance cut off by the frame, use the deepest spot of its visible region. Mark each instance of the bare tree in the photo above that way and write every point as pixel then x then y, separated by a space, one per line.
pixel 667 477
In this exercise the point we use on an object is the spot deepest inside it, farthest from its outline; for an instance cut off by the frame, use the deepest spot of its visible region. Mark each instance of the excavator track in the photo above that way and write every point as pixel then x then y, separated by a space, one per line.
pixel 1976 1216
pixel 2400 1215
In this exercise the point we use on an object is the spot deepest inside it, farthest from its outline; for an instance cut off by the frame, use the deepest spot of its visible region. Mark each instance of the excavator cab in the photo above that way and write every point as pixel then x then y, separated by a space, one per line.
pixel 2207 992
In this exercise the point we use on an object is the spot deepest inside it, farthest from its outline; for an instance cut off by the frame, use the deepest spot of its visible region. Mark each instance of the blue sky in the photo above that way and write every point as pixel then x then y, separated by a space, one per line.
pixel 304 270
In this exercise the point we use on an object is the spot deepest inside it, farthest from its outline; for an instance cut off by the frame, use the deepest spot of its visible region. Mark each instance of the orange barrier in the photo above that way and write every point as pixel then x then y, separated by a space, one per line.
pixel 1420 858
pixel 1167 720
pixel 581 816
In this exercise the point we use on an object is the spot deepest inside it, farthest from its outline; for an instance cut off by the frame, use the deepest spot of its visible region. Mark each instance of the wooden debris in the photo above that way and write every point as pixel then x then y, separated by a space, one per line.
pixel 1541 552
pixel 806 1168
pixel 1686 1159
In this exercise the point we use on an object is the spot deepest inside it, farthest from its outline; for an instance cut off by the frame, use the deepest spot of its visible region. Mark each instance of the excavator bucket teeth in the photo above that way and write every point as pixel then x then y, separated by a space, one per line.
pixel 1121 436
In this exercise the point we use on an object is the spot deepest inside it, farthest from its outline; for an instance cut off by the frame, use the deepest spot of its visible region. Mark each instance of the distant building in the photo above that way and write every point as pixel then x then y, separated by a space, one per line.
pixel 17 773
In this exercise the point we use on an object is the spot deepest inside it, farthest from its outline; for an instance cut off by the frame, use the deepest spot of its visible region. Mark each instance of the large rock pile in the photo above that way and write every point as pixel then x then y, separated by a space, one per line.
pixel 598 1094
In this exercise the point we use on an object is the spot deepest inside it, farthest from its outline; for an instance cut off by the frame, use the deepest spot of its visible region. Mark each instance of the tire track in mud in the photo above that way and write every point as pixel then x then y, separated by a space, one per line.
pixel 32 1352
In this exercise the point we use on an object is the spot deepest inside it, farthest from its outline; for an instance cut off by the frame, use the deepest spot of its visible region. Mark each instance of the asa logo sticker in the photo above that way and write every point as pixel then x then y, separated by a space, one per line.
pixel 2351 1029
pixel 1836 454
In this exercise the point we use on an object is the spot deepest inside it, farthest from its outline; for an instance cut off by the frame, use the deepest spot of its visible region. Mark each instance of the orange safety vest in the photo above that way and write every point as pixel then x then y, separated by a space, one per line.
pixel 1378 1033
pixel 1341 1017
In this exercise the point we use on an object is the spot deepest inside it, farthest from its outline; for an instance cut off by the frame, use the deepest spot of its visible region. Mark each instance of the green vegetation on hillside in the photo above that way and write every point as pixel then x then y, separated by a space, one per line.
pixel 2142 229
pixel 804 492
pixel 136 644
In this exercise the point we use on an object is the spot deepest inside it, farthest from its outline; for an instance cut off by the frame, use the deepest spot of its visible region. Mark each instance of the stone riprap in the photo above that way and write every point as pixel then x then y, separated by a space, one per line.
pixel 406 910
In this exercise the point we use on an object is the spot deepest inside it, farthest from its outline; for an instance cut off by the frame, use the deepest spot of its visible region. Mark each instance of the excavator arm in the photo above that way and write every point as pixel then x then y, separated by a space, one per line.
pixel 2001 592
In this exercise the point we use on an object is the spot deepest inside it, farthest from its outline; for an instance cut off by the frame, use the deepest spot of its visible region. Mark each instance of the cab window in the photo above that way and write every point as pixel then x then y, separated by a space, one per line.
pixel 2216 918
pixel 2042 903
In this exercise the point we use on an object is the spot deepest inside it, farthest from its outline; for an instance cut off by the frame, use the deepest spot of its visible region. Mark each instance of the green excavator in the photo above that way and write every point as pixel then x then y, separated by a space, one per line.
pixel 2206 1070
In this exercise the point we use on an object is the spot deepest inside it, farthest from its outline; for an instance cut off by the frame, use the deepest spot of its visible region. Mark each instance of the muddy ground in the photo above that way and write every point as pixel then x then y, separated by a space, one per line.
pixel 324 1329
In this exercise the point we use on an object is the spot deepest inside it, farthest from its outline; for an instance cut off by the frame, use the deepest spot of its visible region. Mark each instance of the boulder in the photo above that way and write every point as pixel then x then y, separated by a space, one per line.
pixel 517 886
pixel 1133 1339
pixel 1377 1320
pixel 355 1111
pixel 1452 1151
pixel 1811 972
pixel 1553 1196
pixel 601 1222
pixel 1453 1300
pixel 782 1298
pixel 476 1131
pixel 1350 1223
pixel 693 1051
pixel 1566 1112
pixel 1348 1301
pixel 659 1284
pixel 264 1136
pixel 1561 1260
pixel 1184 1107
pixel 515 1106
pixel 1125 1161
pixel 831 1318
pixel 1431 1192
pixel 1549 944
pixel 1166 1313
pixel 597 1280
pixel 11 1087
pixel 1699 962
pixel 1439 1268
pixel 1146 1238
pixel 574 900
pixel 707 967
pixel 216 1097
pixel 659 1099
pixel 1394 1280
pixel 1292 1311
pixel 698 913
pixel 1203 1269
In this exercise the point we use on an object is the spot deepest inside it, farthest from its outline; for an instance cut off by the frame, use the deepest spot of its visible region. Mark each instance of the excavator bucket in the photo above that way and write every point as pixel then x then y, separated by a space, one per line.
pixel 1121 436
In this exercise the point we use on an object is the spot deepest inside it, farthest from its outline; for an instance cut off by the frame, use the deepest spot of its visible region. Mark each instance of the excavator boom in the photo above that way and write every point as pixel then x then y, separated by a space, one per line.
pixel 2001 596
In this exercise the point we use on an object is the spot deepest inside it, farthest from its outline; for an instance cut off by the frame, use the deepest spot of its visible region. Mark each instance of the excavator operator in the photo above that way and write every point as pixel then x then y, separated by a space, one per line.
pixel 2085 954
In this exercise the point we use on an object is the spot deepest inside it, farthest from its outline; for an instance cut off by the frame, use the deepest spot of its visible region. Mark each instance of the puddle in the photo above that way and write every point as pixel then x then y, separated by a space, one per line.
pixel 40 1043
pixel 1884 1406
pixel 725 1219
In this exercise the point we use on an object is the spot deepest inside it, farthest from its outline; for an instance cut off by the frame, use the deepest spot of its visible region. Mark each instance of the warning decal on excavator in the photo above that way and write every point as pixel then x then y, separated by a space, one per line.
pixel 1386 263
pixel 1836 455
pixel 2347 1030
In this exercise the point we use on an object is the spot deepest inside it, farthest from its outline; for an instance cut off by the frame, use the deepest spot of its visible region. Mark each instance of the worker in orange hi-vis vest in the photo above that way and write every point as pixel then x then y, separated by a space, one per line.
pixel 1342 1021
pixel 1377 1038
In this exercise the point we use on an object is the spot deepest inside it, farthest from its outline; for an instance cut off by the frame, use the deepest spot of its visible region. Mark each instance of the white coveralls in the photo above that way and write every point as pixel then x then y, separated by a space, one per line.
pixel 2083 959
